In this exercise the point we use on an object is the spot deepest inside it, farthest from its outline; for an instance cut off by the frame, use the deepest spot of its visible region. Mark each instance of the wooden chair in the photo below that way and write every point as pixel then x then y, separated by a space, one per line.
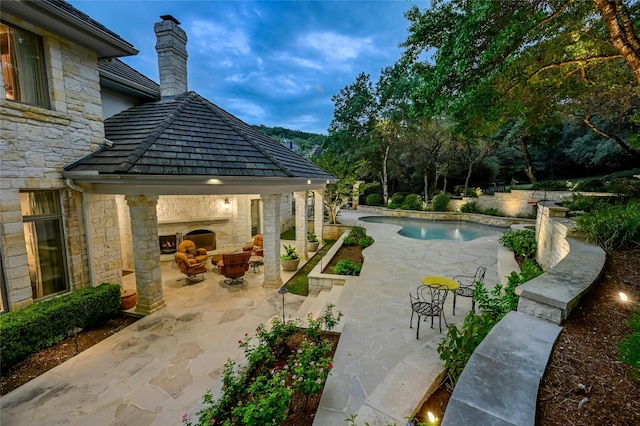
pixel 234 266
pixel 190 267
pixel 467 286
pixel 428 302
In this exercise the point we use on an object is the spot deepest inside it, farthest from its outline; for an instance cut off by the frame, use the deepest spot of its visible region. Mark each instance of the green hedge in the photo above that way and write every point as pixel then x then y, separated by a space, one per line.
pixel 26 331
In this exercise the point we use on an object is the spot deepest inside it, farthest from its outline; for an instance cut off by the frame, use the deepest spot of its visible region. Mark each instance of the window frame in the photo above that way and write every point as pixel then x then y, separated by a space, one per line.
pixel 58 216
pixel 40 69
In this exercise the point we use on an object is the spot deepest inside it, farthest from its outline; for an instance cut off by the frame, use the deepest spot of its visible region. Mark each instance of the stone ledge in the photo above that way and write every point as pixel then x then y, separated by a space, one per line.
pixel 499 385
pixel 553 295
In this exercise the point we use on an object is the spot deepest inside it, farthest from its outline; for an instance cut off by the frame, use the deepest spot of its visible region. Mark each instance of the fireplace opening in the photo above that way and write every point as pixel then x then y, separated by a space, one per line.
pixel 203 238
pixel 167 244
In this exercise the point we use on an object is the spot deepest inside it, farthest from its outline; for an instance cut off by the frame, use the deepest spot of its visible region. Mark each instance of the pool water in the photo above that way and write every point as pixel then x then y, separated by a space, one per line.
pixel 421 229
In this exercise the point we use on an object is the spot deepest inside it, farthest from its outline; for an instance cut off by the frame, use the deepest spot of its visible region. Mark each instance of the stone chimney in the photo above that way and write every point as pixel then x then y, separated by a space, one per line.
pixel 171 46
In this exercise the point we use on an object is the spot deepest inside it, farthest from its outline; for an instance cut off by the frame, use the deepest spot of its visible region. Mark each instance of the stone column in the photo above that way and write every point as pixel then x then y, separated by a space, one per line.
pixel 146 255
pixel 318 215
pixel 271 228
pixel 301 223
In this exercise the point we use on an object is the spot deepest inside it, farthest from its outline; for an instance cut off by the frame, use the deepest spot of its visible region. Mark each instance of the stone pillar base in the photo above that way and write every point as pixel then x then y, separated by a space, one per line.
pixel 144 309
pixel 272 283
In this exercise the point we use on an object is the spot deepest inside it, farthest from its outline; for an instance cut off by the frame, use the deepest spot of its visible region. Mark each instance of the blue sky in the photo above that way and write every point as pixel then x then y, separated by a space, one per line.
pixel 267 62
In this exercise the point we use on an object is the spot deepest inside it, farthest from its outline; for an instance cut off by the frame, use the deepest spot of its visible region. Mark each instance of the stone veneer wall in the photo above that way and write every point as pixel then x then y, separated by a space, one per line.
pixel 36 143
pixel 512 203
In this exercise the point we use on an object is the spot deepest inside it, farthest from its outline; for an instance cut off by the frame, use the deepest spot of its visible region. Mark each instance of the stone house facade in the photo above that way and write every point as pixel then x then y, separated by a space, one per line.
pixel 59 230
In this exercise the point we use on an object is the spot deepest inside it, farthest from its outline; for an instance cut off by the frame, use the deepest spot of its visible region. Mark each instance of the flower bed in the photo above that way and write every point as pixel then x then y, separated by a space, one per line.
pixel 282 380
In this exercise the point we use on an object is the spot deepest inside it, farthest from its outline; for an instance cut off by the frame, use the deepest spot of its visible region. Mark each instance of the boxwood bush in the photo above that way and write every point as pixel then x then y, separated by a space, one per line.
pixel 26 331
pixel 374 200
pixel 412 202
pixel 440 202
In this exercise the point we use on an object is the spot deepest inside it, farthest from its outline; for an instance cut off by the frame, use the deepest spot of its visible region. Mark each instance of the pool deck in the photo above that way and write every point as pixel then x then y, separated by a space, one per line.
pixel 159 368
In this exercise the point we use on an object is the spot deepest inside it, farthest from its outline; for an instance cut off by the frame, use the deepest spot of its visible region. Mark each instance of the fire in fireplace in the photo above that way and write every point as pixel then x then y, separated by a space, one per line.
pixel 167 244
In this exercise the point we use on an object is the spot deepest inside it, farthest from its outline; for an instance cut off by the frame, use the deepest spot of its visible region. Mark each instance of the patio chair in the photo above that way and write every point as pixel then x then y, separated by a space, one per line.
pixel 257 247
pixel 190 267
pixel 467 286
pixel 428 302
pixel 234 266
pixel 188 248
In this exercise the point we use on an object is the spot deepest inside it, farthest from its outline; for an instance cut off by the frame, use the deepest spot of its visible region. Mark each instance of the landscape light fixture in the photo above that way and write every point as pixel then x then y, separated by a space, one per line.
pixel 283 290
pixel 623 296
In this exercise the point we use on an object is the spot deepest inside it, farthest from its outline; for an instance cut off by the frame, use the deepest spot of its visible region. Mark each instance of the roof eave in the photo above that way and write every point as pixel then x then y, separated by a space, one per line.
pixel 61 22
pixel 127 86
pixel 191 185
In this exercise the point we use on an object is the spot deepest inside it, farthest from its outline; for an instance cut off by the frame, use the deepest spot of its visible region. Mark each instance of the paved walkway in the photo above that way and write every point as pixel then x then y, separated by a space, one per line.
pixel 159 368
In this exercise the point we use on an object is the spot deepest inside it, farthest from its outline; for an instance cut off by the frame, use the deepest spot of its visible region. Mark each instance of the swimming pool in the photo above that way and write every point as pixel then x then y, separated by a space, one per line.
pixel 421 229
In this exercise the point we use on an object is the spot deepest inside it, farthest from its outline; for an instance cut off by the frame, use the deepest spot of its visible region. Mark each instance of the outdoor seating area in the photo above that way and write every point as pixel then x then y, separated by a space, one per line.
pixel 467 285
pixel 234 266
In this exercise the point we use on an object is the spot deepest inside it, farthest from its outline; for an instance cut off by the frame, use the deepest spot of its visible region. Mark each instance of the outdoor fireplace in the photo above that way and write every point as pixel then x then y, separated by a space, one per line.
pixel 203 238
pixel 167 244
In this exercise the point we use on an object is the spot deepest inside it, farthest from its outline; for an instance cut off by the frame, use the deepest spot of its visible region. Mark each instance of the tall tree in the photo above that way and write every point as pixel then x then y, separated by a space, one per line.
pixel 354 118
pixel 350 176
pixel 492 62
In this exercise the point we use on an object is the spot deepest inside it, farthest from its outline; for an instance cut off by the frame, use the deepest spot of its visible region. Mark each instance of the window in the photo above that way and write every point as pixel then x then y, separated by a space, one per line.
pixel 23 66
pixel 43 233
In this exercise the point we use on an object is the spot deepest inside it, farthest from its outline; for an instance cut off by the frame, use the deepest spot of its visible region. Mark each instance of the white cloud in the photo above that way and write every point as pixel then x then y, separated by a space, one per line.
pixel 211 36
pixel 248 110
pixel 337 47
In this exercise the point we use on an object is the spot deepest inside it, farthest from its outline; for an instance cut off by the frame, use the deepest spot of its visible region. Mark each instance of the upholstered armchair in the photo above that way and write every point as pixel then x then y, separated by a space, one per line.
pixel 190 267
pixel 188 248
pixel 257 248
pixel 234 266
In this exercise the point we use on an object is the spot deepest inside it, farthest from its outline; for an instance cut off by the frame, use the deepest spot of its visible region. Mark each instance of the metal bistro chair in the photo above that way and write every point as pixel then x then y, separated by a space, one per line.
pixel 428 302
pixel 467 286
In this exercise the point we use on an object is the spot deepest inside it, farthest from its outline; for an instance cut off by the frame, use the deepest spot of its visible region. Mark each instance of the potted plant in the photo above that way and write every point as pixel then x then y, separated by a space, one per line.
pixel 289 259
pixel 312 241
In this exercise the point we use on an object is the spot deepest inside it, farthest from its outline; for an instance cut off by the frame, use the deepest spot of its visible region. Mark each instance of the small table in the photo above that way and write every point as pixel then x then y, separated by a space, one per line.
pixel 433 280
pixel 254 262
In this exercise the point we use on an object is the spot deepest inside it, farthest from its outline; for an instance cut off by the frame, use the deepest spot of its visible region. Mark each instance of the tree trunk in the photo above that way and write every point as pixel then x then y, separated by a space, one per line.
pixel 528 167
pixel 623 37
pixel 385 176
pixel 426 184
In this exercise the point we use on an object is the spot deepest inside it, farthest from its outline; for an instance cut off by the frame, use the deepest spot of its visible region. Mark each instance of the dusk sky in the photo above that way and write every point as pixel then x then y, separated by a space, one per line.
pixel 267 62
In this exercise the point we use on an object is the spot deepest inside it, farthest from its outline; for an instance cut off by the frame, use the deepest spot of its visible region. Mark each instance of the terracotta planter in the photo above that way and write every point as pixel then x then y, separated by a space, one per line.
pixel 128 299
pixel 289 265
pixel 312 246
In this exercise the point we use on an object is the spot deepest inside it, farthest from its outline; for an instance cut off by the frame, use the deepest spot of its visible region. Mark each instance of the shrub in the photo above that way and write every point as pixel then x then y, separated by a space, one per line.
pixel 441 201
pixel 492 212
pixel 26 331
pixel 312 237
pixel 612 226
pixel 261 392
pixel 347 267
pixel 581 202
pixel 349 241
pixel 358 232
pixel 521 242
pixel 590 185
pixel 397 198
pixel 625 187
pixel 629 349
pixel 365 241
pixel 412 202
pixel 458 345
pixel 471 207
pixel 374 200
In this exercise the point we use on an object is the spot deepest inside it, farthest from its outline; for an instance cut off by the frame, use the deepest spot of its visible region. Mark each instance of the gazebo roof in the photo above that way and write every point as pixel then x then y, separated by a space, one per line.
pixel 191 140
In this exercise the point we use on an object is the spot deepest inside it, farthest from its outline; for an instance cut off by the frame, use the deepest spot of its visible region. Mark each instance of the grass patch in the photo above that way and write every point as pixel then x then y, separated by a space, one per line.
pixel 299 283
pixel 289 234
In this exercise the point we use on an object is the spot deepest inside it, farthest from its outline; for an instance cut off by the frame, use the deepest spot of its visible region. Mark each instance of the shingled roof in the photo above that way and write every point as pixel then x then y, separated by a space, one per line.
pixel 190 136
pixel 114 72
